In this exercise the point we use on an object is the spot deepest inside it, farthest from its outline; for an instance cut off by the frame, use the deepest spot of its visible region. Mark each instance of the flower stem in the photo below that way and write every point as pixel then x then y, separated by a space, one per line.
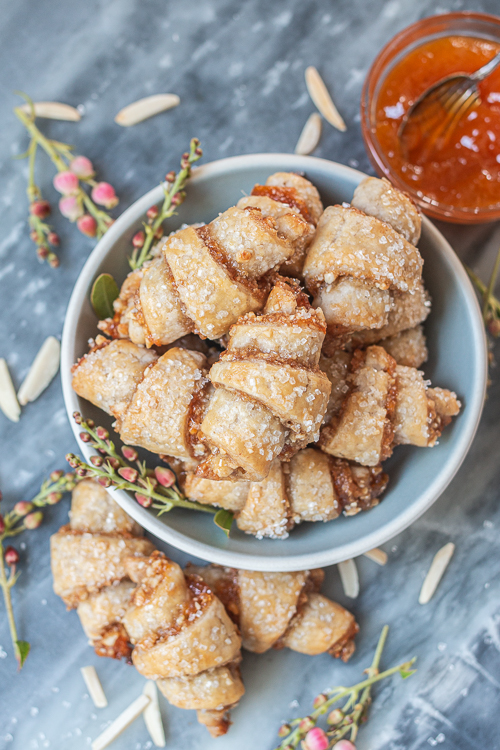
pixel 40 139
pixel 491 286
pixel 6 585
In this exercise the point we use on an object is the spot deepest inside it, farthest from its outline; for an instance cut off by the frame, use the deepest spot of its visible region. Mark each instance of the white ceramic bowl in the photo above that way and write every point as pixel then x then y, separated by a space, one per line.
pixel 417 476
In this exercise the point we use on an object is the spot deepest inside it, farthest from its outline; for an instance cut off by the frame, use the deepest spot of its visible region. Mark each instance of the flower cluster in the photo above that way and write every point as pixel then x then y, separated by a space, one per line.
pixel 152 488
pixel 74 174
pixel 26 516
pixel 174 189
pixel 340 721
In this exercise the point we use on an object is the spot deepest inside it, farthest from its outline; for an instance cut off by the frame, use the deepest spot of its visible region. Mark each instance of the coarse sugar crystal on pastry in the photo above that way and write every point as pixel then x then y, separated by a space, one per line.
pixel 354 266
pixel 294 203
pixel 270 395
pixel 88 559
pixel 386 404
pixel 276 610
pixel 157 401
pixel 184 639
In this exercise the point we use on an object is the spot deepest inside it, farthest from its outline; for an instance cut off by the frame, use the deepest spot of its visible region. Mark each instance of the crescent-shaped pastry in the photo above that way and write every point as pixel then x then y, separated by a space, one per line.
pixel 274 610
pixel 386 404
pixel 380 199
pixel 157 401
pixel 270 395
pixel 184 639
pixel 207 277
pixel 295 205
pixel 88 559
pixel 353 267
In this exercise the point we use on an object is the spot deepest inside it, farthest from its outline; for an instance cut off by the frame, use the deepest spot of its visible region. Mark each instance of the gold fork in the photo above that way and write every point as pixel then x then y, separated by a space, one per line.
pixel 429 123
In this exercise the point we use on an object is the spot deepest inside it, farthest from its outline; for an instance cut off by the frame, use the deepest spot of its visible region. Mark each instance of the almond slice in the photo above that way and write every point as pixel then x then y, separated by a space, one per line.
pixel 152 715
pixel 53 111
pixel 8 399
pixel 309 138
pixel 377 555
pixel 322 99
pixel 436 572
pixel 349 577
pixel 94 686
pixel 121 723
pixel 42 371
pixel 145 108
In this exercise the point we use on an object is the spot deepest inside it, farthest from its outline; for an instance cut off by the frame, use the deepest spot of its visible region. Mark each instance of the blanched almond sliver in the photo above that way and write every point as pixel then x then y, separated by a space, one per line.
pixel 121 723
pixel 53 111
pixel 42 371
pixel 8 399
pixel 322 99
pixel 349 577
pixel 436 572
pixel 152 715
pixel 311 133
pixel 94 687
pixel 145 108
pixel 377 555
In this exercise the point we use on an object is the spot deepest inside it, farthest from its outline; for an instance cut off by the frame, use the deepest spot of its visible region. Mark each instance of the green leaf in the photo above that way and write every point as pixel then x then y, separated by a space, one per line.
pixel 23 648
pixel 223 519
pixel 405 673
pixel 104 292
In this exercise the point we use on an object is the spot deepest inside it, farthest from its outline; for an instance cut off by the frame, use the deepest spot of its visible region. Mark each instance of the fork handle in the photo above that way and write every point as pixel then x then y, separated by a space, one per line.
pixel 485 70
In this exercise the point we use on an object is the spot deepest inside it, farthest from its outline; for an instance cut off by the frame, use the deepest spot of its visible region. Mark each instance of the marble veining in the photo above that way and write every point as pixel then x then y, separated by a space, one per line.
pixel 238 68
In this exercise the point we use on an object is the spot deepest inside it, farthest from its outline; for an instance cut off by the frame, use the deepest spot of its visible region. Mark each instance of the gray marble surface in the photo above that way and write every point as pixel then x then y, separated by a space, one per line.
pixel 238 68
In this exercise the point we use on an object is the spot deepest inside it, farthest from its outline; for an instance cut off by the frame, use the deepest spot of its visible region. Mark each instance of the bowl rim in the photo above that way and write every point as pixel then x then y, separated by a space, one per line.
pixel 470 417
pixel 410 36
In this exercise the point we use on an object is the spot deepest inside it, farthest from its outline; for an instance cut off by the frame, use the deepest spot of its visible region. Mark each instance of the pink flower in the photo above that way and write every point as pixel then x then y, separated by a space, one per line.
pixel 33 520
pixel 316 739
pixel 23 508
pixel 104 195
pixel 128 473
pixel 344 745
pixel 66 183
pixel 130 453
pixel 87 225
pixel 82 167
pixel 70 207
pixel 143 500
pixel 11 556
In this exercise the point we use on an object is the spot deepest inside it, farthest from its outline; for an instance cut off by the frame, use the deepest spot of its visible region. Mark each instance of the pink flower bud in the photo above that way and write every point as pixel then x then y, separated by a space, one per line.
pixel 102 434
pixel 33 520
pixel 56 475
pixel 284 730
pixel 87 225
pixel 104 481
pixel 41 209
pixel 53 498
pixel 143 500
pixel 165 477
pixel 70 207
pixel 77 417
pixel 152 212
pixel 316 739
pixel 85 437
pixel 53 239
pixel 344 745
pixel 82 167
pixel 129 453
pixel 53 260
pixel 494 326
pixel 90 423
pixel 81 472
pixel 159 233
pixel 2 525
pixel 42 252
pixel 96 461
pixel 113 462
pixel 170 177
pixel 306 724
pixel 319 700
pixel 128 473
pixel 23 508
pixel 138 239
pixel 104 195
pixel 11 556
pixel 66 183
pixel 335 716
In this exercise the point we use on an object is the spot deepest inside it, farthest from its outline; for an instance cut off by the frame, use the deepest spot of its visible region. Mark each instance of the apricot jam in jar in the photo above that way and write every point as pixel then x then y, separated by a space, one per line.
pixel 461 181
